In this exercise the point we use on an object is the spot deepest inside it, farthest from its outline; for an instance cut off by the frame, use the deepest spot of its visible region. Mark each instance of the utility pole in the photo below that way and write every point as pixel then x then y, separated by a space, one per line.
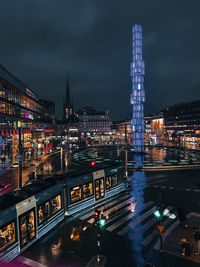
pixel 20 155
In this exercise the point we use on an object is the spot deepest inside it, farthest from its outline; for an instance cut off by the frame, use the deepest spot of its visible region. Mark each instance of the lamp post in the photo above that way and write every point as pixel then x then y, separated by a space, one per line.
pixel 20 155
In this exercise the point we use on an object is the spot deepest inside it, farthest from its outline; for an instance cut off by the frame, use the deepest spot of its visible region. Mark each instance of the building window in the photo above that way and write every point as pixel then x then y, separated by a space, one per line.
pixel 108 182
pixel 7 235
pixel 87 190
pixel 55 204
pixel 43 211
pixel 114 180
pixel 75 194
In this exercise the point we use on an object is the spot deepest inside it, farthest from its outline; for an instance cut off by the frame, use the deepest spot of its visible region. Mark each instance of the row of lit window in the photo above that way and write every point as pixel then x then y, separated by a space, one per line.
pixel 27 223
pixel 82 192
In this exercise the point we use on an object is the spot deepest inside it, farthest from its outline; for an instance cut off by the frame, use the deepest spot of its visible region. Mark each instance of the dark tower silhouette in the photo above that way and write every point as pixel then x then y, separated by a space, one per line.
pixel 68 111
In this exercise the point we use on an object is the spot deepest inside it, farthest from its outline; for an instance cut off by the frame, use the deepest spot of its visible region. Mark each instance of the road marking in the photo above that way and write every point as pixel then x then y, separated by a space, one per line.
pixel 196 190
pixel 188 189
pixel 157 245
pixel 86 216
pixel 137 221
pixel 30 262
pixel 162 186
pixel 148 225
pixel 171 187
pixel 107 212
pixel 128 217
pixel 155 233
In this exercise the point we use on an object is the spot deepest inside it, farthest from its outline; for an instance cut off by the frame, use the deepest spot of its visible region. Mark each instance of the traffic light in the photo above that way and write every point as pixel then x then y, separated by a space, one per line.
pixel 96 216
pixel 102 222
pixel 93 163
pixel 158 214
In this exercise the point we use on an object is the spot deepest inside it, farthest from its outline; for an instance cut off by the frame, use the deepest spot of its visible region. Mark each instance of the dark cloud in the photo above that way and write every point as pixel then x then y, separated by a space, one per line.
pixel 43 40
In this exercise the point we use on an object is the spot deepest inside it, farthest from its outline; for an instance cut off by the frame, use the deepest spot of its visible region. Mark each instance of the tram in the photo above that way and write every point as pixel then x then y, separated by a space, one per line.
pixel 28 214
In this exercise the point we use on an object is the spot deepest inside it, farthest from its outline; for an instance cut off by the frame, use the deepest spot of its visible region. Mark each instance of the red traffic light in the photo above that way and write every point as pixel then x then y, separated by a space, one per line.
pixel 93 163
pixel 96 214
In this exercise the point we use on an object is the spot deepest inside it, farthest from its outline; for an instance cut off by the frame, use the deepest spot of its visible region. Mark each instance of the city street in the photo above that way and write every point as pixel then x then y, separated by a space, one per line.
pixel 130 232
pixel 45 164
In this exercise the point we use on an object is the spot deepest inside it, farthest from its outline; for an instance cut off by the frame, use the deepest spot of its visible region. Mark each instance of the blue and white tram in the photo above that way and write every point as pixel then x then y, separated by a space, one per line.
pixel 29 213
pixel 91 188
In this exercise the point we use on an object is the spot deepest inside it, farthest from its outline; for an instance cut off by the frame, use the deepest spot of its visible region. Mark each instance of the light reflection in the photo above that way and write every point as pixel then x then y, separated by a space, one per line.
pixel 138 184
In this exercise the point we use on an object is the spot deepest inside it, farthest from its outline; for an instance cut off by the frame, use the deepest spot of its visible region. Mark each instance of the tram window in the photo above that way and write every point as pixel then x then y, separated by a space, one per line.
pixel 75 194
pixel 7 235
pixel 43 211
pixel 87 190
pixel 114 180
pixel 56 204
pixel 23 230
pixel 31 224
pixel 97 189
pixel 102 187
pixel 108 182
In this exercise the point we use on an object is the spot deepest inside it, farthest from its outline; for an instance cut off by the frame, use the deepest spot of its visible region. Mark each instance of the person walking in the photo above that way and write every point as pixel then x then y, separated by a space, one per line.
pixel 196 234
pixel 181 216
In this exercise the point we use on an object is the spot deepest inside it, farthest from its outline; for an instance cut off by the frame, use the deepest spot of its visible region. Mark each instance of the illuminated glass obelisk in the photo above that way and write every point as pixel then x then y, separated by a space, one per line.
pixel 138 93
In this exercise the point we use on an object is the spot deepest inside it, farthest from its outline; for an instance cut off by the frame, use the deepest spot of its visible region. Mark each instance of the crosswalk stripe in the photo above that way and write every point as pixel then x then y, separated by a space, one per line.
pixel 147 225
pixel 109 211
pixel 126 218
pixel 137 221
pixel 155 233
pixel 86 216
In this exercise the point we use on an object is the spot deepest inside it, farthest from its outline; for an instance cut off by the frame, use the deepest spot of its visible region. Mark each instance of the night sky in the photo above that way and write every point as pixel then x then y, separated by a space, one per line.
pixel 42 40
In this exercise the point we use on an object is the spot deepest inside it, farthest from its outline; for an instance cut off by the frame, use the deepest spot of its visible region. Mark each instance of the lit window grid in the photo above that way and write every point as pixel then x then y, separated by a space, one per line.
pixel 137 97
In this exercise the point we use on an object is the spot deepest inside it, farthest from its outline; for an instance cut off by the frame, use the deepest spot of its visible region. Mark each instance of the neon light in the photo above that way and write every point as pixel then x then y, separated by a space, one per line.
pixel 137 96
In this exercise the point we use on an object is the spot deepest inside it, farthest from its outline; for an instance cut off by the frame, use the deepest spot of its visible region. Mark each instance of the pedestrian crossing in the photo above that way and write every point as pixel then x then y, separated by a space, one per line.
pixel 131 218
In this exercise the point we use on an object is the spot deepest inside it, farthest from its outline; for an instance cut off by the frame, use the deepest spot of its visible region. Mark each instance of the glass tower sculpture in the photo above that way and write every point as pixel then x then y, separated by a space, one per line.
pixel 138 94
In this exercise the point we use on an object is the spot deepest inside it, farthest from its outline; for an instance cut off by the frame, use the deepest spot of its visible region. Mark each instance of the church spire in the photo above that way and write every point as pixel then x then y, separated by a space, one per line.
pixel 68 100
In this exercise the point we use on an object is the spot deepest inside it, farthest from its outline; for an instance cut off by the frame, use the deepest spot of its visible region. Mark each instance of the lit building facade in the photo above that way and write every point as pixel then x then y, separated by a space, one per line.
pixel 92 121
pixel 125 132
pixel 19 103
pixel 183 119
pixel 137 96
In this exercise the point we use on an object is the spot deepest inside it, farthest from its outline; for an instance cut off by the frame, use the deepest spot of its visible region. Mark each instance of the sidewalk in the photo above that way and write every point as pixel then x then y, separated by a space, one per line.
pixel 171 245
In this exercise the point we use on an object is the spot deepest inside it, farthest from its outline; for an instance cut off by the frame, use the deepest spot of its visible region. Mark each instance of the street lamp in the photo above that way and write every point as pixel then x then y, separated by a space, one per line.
pixel 20 155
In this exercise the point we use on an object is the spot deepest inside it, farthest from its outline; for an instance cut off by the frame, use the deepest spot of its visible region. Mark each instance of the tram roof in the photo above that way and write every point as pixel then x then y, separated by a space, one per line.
pixel 14 197
pixel 27 191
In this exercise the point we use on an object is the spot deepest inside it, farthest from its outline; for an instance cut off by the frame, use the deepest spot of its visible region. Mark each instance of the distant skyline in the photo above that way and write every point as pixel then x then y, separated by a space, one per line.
pixel 92 41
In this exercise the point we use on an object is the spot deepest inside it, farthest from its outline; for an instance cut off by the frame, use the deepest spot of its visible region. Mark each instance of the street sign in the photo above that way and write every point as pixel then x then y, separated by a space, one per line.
pixel 160 228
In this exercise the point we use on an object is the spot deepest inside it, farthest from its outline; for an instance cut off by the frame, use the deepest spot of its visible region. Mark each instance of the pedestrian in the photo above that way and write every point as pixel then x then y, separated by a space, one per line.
pixel 185 246
pixel 181 216
pixel 196 235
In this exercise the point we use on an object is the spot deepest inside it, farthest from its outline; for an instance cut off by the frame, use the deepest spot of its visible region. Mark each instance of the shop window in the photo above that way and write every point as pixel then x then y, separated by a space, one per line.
pixel 55 204
pixel 108 182
pixel 87 190
pixel 114 180
pixel 43 212
pixel 7 235
pixel 75 194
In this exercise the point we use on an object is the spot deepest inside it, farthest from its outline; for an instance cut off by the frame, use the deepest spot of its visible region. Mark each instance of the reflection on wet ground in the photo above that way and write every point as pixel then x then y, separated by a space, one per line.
pixel 45 166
